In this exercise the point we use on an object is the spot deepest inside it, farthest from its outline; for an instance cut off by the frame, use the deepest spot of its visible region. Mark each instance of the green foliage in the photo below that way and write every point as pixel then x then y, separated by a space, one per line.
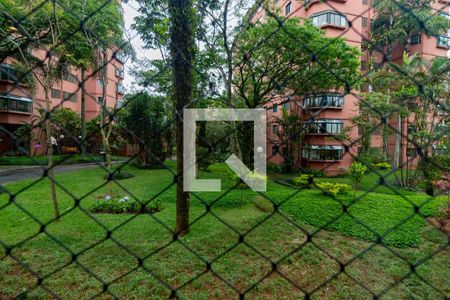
pixel 382 166
pixel 280 59
pixel 275 168
pixel 118 206
pixel 204 158
pixel 356 172
pixel 333 189
pixel 396 22
pixel 148 118
pixel 66 122
pixel 304 180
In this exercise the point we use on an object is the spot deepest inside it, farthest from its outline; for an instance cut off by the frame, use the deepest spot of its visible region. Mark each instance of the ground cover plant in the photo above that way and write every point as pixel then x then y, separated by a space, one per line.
pixel 283 229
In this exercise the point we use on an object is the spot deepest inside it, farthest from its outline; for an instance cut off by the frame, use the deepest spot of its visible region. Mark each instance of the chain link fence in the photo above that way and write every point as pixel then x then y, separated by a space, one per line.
pixel 357 102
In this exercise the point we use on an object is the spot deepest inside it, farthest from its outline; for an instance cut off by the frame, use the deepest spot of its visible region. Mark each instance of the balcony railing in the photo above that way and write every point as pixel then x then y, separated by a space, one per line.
pixel 323 127
pixel 328 100
pixel 13 103
pixel 323 153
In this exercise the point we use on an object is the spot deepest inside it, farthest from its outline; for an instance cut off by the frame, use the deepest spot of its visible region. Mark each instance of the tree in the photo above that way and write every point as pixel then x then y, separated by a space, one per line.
pixel 414 93
pixel 147 118
pixel 182 54
pixel 292 61
pixel 395 22
pixel 57 28
pixel 290 135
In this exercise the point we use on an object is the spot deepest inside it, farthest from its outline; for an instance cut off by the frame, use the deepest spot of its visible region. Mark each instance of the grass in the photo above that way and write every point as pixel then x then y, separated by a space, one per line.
pixel 214 237
pixel 69 159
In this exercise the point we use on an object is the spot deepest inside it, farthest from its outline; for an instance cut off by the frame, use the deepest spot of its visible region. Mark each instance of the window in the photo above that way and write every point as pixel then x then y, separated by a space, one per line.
pixel 364 22
pixel 275 129
pixel 100 82
pixel 70 96
pixel 415 39
pixel 323 153
pixel 7 72
pixel 287 9
pixel 443 41
pixel 329 18
pixel 365 2
pixel 275 108
pixel 15 103
pixel 120 88
pixel 120 73
pixel 120 56
pixel 323 126
pixel 286 106
pixel 56 94
pixel 324 100
pixel 275 150
pixel 70 77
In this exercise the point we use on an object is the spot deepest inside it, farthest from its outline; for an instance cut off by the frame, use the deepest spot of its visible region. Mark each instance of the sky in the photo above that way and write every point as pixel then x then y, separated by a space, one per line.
pixel 130 12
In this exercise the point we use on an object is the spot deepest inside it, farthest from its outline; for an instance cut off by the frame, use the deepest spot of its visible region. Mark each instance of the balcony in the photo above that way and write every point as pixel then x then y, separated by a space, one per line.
pixel 324 101
pixel 330 19
pixel 323 127
pixel 120 89
pixel 120 73
pixel 323 153
pixel 443 41
pixel 10 74
pixel 120 56
pixel 15 104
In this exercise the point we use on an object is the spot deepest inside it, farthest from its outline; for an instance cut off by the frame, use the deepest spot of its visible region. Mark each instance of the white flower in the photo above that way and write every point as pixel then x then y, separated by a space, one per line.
pixel 126 198
pixel 107 198
pixel 122 200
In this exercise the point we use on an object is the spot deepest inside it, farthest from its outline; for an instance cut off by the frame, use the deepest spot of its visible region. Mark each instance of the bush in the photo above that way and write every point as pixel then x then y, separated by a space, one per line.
pixel 275 168
pixel 120 175
pixel 382 166
pixel 356 173
pixel 334 189
pixel 304 180
pixel 124 206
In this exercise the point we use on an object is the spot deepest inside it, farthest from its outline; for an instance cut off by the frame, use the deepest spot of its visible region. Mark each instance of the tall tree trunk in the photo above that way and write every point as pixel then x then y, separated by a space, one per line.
pixel 105 130
pixel 83 113
pixel 49 133
pixel 181 47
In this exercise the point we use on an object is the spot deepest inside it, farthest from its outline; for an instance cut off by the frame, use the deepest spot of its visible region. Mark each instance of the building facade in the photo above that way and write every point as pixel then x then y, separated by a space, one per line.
pixel 20 105
pixel 326 115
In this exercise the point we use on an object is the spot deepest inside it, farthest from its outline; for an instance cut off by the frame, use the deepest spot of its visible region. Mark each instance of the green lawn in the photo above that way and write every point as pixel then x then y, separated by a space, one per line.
pixel 42 160
pixel 214 237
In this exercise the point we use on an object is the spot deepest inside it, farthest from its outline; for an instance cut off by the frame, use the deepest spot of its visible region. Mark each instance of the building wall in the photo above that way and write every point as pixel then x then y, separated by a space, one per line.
pixel 66 94
pixel 359 14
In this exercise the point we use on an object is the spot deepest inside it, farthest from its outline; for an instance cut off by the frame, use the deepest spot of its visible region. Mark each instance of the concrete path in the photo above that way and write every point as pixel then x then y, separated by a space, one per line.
pixel 15 173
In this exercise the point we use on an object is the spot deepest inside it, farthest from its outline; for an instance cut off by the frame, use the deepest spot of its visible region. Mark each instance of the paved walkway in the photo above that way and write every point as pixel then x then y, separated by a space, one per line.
pixel 15 173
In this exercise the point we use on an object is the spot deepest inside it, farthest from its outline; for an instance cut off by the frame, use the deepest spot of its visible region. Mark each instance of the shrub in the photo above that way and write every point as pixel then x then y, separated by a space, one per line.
pixel 275 168
pixel 249 176
pixel 120 175
pixel 304 180
pixel 334 189
pixel 382 166
pixel 356 173
pixel 123 206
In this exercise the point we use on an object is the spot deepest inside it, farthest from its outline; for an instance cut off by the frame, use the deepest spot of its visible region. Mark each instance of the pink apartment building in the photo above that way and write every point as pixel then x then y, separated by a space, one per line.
pixel 330 112
pixel 18 105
